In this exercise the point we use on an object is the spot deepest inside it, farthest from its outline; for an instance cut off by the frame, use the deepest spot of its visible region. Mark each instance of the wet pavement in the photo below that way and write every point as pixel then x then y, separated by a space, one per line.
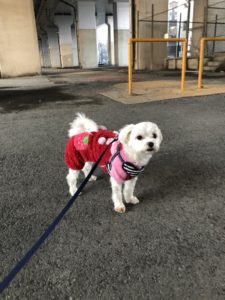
pixel 170 246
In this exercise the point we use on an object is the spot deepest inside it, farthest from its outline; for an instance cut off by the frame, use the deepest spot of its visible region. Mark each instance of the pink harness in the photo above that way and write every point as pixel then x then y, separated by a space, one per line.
pixel 119 166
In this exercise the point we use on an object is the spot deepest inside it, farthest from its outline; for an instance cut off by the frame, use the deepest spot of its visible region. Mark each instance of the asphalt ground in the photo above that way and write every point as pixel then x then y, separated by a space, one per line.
pixel 170 246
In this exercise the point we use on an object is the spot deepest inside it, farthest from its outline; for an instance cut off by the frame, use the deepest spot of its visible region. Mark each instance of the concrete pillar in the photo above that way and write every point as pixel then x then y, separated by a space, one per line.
pixel 122 32
pixel 74 46
pixel 44 45
pixel 87 34
pixel 197 29
pixel 101 11
pixel 54 51
pixel 65 39
pixel 40 50
pixel 103 44
pixel 19 53
pixel 111 40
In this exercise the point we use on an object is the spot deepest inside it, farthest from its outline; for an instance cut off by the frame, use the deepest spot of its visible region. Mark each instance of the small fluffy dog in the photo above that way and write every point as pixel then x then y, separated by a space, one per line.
pixel 127 154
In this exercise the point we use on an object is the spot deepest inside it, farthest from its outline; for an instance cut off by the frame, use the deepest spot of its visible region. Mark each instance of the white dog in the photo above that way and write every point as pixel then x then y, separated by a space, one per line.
pixel 128 152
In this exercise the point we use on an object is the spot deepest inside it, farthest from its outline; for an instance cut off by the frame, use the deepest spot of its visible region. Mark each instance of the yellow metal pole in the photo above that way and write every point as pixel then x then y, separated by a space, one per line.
pixel 130 67
pixel 144 40
pixel 184 55
pixel 157 40
pixel 201 60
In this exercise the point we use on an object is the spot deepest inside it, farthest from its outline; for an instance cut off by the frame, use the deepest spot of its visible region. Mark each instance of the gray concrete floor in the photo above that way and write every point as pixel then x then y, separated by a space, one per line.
pixel 170 246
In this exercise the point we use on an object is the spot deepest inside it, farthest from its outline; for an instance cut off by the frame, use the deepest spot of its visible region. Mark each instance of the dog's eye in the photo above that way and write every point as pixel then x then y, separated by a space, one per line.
pixel 154 135
pixel 139 137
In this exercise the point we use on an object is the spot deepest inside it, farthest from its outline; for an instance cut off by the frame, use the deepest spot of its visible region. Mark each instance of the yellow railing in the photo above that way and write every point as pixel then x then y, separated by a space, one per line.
pixel 201 59
pixel 155 40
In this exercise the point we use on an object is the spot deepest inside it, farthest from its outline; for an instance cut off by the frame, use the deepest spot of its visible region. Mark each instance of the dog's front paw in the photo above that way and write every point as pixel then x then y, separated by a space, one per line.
pixel 132 200
pixel 93 178
pixel 73 191
pixel 120 209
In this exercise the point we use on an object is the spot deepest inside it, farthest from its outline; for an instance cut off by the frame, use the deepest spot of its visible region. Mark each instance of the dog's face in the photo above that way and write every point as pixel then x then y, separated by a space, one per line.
pixel 142 139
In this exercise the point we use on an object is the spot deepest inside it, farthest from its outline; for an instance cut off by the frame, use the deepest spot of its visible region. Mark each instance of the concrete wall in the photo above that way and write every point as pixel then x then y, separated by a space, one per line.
pixel 220 28
pixel 199 29
pixel 151 56
pixel 19 53
pixel 87 34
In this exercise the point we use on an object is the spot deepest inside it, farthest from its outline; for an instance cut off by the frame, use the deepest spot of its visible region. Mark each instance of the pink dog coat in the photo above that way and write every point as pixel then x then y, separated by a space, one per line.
pixel 88 146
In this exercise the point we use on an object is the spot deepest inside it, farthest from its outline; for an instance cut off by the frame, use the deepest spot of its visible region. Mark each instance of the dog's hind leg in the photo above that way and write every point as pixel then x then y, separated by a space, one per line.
pixel 86 169
pixel 72 180
pixel 128 191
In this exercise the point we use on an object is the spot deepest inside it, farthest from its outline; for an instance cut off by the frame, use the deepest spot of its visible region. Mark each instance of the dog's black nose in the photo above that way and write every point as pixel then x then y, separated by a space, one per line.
pixel 151 145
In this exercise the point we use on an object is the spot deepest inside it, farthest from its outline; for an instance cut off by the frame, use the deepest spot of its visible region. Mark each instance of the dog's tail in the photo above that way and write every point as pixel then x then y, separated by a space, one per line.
pixel 81 124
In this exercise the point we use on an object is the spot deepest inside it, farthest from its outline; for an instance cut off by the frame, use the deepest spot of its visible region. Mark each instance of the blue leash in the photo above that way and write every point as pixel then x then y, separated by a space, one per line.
pixel 8 278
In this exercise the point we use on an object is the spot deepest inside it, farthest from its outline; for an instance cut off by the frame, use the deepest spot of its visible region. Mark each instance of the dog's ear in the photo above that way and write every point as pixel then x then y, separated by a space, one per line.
pixel 160 135
pixel 124 133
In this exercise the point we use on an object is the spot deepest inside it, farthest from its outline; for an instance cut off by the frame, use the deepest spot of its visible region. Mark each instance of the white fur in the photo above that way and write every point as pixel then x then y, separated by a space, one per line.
pixel 139 142
pixel 80 124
